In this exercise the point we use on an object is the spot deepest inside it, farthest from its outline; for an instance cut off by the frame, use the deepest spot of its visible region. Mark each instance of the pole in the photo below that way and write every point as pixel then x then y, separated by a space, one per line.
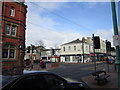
pixel 31 57
pixel 117 47
pixel 83 48
pixel 94 54
pixel 107 58
pixel 1 42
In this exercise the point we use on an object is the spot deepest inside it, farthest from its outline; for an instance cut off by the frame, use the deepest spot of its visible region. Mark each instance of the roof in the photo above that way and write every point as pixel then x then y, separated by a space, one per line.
pixel 73 42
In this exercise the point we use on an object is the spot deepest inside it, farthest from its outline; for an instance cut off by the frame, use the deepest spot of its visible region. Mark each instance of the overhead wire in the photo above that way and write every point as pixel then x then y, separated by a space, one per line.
pixel 38 25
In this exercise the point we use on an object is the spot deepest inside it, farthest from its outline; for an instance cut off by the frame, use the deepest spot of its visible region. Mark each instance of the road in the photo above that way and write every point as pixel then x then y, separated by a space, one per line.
pixel 76 71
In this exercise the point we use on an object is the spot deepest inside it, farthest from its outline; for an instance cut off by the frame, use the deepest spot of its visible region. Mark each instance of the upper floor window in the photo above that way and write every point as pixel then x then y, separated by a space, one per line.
pixel 86 48
pixel 69 48
pixel 63 48
pixel 11 29
pixel 8 51
pixel 12 11
pixel 75 48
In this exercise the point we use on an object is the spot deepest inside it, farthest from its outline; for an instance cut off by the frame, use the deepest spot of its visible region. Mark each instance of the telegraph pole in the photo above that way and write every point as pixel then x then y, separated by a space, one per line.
pixel 117 46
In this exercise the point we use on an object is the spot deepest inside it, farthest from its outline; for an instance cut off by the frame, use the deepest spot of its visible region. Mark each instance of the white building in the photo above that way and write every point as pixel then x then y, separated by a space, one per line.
pixel 41 53
pixel 82 50
pixel 74 51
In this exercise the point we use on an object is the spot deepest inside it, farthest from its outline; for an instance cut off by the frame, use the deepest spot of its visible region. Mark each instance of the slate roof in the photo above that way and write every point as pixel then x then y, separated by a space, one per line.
pixel 73 42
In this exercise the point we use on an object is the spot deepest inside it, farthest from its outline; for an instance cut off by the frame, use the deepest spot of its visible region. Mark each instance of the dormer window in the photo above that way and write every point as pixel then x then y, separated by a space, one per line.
pixel 12 11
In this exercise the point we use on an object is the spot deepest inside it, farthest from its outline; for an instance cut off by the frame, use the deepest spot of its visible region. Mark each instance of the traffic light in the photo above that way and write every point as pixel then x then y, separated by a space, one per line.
pixel 112 49
pixel 53 51
pixel 28 49
pixel 33 48
pixel 96 42
pixel 108 45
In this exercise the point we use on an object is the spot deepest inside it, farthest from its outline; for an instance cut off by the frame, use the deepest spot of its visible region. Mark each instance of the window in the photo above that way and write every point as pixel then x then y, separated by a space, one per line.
pixel 8 29
pixel 86 48
pixel 75 48
pixel 11 29
pixel 31 82
pixel 8 51
pixel 63 48
pixel 54 82
pixel 12 11
pixel 69 47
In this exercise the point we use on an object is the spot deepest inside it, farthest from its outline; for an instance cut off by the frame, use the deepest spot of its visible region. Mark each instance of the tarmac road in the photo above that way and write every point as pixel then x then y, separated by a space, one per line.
pixel 78 70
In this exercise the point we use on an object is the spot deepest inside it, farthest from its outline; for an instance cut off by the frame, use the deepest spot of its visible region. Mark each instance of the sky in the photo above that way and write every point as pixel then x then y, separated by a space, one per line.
pixel 56 23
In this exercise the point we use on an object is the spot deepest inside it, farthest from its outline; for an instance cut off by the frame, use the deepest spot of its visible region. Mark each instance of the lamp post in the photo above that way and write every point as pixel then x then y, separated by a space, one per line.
pixel 117 46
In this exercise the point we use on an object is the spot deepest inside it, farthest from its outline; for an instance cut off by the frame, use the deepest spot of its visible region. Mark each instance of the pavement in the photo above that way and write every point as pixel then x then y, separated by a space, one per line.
pixel 110 84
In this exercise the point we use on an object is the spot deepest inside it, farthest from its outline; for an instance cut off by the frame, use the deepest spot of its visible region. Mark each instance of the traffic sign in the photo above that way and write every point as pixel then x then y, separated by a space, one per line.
pixel 116 40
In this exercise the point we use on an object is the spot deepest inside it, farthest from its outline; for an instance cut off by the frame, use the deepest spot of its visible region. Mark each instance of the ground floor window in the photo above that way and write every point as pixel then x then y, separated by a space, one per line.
pixel 8 51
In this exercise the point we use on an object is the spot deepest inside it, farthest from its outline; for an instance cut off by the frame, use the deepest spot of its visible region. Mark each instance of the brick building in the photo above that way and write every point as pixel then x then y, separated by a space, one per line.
pixel 13 36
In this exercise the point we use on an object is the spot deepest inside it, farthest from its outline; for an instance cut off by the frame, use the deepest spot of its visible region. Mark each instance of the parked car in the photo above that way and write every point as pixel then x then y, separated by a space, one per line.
pixel 39 81
pixel 111 61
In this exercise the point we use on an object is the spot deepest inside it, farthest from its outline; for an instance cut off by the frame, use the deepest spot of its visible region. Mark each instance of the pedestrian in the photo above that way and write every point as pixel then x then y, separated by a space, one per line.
pixel 42 64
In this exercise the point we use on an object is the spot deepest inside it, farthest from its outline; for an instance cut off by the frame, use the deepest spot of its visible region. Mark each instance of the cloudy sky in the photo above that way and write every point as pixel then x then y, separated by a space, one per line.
pixel 56 23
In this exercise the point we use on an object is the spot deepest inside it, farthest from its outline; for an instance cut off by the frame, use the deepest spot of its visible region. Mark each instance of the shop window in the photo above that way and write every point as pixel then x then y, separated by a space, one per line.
pixel 8 51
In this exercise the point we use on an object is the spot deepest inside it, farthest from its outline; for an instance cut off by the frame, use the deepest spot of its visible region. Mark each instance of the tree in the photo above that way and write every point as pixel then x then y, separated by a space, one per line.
pixel 40 47
pixel 40 43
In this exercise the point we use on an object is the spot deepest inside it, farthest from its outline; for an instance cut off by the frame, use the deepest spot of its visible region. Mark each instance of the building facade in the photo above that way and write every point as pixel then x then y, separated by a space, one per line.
pixel 75 51
pixel 41 53
pixel 82 51
pixel 100 53
pixel 13 36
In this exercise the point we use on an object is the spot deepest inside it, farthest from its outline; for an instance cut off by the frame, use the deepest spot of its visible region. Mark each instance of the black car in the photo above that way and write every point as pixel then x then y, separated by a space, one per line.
pixel 39 81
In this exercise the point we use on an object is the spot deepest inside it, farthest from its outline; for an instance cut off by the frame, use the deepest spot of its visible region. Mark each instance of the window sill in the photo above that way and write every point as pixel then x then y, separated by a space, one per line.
pixel 9 60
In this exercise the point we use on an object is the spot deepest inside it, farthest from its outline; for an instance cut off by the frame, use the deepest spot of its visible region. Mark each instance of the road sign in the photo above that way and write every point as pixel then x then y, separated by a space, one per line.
pixel 116 40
